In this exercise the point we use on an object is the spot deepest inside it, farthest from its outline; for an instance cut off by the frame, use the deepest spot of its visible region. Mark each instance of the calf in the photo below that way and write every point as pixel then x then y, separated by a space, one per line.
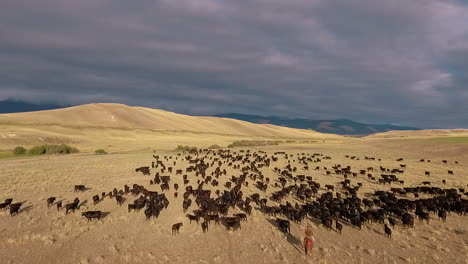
pixel 71 206
pixel 119 199
pixel 338 226
pixel 388 231
pixel 92 214
pixel 424 216
pixel 193 218
pixel 8 201
pixel 59 205
pixel 14 208
pixel 148 213
pixel 164 187
pixel 96 199
pixel 176 227
pixel 442 215
pixel 50 201
pixel 327 222
pixel 204 226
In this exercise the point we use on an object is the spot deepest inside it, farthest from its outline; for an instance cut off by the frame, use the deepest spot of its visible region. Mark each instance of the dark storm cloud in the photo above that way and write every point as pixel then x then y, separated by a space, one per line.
pixel 378 61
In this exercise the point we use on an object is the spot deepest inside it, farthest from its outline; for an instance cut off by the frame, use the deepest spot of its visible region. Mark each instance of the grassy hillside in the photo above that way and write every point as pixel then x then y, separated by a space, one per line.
pixel 422 133
pixel 116 127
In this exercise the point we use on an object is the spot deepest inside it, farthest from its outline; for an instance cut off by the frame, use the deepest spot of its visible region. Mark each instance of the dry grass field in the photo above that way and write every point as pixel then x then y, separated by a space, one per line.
pixel 39 234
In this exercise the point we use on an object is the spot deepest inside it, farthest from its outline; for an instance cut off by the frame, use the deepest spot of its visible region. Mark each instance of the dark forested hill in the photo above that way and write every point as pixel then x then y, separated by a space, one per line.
pixel 338 126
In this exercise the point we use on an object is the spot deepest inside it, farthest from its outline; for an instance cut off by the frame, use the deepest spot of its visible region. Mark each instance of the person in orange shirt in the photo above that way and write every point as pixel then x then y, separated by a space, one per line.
pixel 308 240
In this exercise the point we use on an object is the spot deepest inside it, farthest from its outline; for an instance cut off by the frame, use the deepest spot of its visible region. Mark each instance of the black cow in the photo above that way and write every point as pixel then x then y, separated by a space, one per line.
pixel 283 225
pixel 72 206
pixel 442 215
pixel 176 227
pixel 193 218
pixel 9 201
pixel 3 206
pixel 96 199
pixel 144 170
pixel 119 199
pixel 388 231
pixel 50 201
pixel 59 205
pixel 14 208
pixel 231 222
pixel 338 226
pixel 408 220
pixel 92 214
pixel 79 188
pixel 204 226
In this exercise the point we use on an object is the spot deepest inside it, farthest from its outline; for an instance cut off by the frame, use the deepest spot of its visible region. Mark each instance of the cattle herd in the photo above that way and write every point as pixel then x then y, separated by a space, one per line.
pixel 291 196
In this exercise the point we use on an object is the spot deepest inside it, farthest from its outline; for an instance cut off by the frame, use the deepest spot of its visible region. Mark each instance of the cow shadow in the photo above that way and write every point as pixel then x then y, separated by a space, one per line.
pixel 25 209
pixel 231 227
pixel 294 241
pixel 86 188
pixel 346 223
pixel 314 220
pixel 85 202
pixel 104 215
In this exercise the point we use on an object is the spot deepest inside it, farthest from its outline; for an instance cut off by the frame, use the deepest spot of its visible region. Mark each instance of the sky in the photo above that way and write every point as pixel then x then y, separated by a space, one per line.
pixel 393 61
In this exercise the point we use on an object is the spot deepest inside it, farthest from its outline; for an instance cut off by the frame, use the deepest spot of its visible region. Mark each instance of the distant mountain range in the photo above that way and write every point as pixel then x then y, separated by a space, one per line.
pixel 15 106
pixel 338 126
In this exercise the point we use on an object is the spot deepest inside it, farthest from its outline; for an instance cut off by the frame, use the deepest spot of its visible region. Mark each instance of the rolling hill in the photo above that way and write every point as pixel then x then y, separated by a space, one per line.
pixel 125 127
pixel 338 126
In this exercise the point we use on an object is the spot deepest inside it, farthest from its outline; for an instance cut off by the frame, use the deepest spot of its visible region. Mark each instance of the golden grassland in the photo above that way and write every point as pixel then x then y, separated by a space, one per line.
pixel 49 236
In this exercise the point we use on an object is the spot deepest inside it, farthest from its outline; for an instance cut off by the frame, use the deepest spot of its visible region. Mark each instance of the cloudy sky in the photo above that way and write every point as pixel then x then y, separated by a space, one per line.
pixel 393 61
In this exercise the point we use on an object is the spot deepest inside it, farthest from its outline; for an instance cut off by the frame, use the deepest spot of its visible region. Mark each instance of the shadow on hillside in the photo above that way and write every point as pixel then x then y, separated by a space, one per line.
pixel 25 209
pixel 82 204
pixel 294 241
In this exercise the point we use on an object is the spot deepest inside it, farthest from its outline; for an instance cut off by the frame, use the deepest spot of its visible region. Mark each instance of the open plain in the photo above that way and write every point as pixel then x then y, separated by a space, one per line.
pixel 42 234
